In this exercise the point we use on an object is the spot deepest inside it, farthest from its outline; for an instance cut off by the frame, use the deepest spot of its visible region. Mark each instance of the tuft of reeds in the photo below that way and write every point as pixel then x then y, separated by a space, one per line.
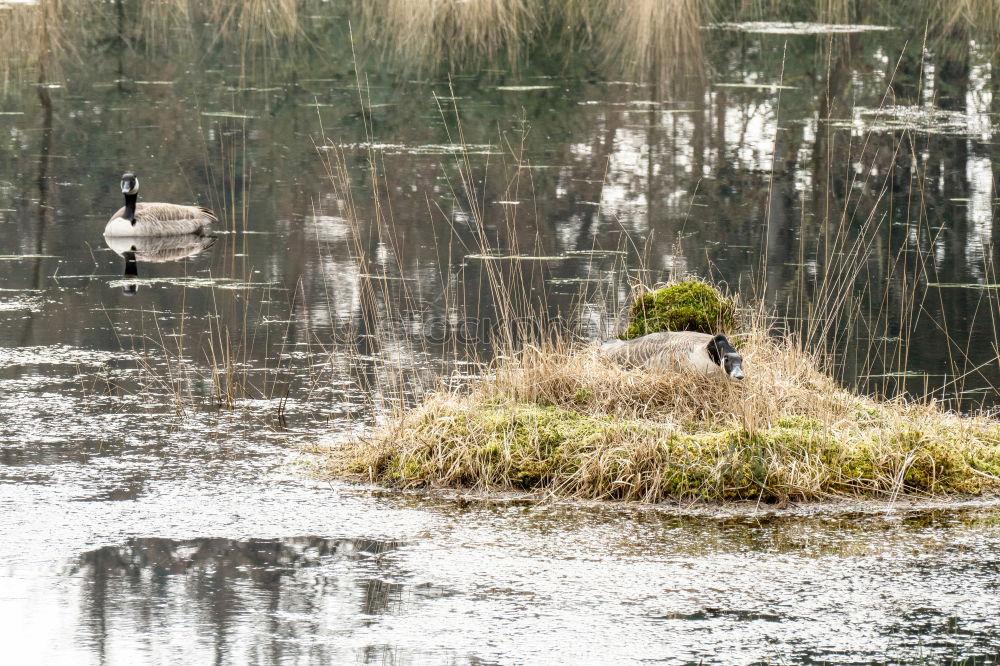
pixel 43 35
pixel 32 37
pixel 962 15
pixel 260 25
pixel 560 419
pixel 654 40
pixel 658 41
pixel 429 31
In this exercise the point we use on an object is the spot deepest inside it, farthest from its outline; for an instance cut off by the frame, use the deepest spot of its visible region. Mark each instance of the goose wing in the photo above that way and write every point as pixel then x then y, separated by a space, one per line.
pixel 164 219
pixel 659 349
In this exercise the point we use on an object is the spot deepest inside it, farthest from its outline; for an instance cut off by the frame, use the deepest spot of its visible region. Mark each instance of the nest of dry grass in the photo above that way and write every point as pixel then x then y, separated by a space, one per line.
pixel 566 421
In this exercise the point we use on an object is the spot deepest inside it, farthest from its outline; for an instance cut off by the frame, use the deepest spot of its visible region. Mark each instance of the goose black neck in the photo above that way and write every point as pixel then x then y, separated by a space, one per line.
pixel 131 271
pixel 130 207
pixel 714 352
pixel 131 265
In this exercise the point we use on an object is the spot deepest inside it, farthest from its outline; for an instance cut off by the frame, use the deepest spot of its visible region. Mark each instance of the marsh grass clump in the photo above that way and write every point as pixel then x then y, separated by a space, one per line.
pixel 690 305
pixel 561 419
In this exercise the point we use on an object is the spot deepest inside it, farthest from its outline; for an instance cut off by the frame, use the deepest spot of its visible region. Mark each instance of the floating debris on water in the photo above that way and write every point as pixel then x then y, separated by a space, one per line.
pixel 32 303
pixel 597 253
pixel 904 374
pixel 19 257
pixel 575 280
pixel 227 114
pixel 515 257
pixel 194 282
pixel 58 277
pixel 523 88
pixel 798 28
pixel 424 149
pixel 917 118
pixel 756 86
pixel 376 276
pixel 964 285
pixel 56 355
pixel 254 89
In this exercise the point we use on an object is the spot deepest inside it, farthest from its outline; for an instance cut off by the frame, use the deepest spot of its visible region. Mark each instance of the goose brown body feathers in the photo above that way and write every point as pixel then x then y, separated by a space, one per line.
pixel 677 351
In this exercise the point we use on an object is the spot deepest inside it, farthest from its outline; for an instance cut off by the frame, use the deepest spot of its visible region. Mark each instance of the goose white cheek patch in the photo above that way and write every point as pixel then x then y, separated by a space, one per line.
pixel 734 366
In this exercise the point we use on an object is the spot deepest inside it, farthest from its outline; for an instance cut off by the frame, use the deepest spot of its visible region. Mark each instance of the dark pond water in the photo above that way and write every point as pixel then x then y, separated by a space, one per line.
pixel 846 177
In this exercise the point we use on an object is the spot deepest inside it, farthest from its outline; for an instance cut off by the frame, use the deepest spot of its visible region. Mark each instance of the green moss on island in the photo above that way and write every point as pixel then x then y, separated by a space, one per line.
pixel 691 305
pixel 526 446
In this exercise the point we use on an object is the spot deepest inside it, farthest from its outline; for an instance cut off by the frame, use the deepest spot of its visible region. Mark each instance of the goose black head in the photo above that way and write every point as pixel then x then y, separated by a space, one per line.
pixel 130 184
pixel 725 356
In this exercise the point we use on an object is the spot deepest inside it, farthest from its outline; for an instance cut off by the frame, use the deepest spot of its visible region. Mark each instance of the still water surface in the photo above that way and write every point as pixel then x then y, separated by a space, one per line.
pixel 142 525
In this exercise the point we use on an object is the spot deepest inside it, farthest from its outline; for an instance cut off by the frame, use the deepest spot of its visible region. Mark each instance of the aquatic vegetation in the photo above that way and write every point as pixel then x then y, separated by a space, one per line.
pixel 655 41
pixel 690 305
pixel 512 257
pixel 914 118
pixel 799 28
pixel 191 282
pixel 56 355
pixel 560 419
pixel 45 33
pixel 427 31
pixel 32 37
pixel 649 39
pixel 960 16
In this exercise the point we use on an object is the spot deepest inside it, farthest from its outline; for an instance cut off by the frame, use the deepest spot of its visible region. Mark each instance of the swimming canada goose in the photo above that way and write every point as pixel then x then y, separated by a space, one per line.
pixel 679 351
pixel 155 250
pixel 155 219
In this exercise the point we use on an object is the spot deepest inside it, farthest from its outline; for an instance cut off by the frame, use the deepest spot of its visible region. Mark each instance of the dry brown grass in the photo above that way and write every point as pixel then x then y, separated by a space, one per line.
pixel 983 14
pixel 42 35
pixel 425 32
pixel 659 41
pixel 32 37
pixel 563 420
pixel 783 382
pixel 261 23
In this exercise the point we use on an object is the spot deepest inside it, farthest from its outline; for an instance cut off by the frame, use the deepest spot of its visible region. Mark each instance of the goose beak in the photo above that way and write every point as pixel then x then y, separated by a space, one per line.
pixel 125 187
pixel 737 373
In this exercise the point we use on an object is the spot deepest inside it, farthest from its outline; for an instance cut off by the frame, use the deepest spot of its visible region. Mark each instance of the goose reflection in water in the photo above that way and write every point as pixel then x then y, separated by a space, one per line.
pixel 155 250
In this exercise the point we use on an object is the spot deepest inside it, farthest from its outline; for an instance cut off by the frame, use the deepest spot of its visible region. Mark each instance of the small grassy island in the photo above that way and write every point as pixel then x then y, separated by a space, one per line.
pixel 566 421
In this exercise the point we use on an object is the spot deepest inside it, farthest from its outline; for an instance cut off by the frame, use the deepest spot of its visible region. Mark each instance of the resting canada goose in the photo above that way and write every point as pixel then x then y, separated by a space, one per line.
pixel 155 219
pixel 678 351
